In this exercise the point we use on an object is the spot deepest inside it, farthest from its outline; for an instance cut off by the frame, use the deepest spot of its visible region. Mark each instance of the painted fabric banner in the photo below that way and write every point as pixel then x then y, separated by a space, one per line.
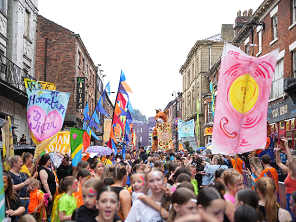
pixel 60 144
pixel 164 137
pixel 7 139
pixel 32 84
pixel 46 111
pixel 79 141
pixel 185 129
pixel 242 101
pixel 107 130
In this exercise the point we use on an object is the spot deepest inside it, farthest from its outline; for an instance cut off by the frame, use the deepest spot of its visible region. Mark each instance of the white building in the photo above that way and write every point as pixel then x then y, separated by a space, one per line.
pixel 18 21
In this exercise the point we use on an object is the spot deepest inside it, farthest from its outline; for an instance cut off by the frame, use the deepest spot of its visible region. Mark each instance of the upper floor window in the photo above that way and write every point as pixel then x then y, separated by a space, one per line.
pixel 294 63
pixel 275 26
pixel 260 42
pixel 210 113
pixel 27 23
pixel 293 11
pixel 188 79
pixel 277 87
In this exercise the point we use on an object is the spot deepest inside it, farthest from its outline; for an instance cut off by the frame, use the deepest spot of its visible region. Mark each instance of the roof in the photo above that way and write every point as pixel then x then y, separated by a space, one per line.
pixel 169 104
pixel 215 38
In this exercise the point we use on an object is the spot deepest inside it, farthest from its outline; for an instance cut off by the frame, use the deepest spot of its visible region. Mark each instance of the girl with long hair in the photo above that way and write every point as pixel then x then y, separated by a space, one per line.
pixel 212 202
pixel 82 176
pixel 81 165
pixel 140 211
pixel 13 205
pixel 27 164
pixel 266 189
pixel 120 178
pixel 98 167
pixel 183 203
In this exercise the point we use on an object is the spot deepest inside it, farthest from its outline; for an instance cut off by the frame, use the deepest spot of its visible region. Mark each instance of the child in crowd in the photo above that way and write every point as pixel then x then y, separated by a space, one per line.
pixel 88 211
pixel 183 202
pixel 245 213
pixel 82 176
pixel 192 170
pixel 36 198
pixel 67 203
pixel 140 188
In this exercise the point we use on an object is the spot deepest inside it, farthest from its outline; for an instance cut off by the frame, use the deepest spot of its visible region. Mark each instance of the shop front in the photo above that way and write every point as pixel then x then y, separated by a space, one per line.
pixel 281 117
pixel 208 131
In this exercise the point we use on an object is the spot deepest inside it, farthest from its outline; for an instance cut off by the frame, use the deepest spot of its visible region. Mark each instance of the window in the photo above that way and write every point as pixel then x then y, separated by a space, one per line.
pixel 2 5
pixel 247 49
pixel 293 11
pixel 294 63
pixel 260 42
pixel 27 17
pixel 274 26
pixel 83 63
pixel 188 79
pixel 140 139
pixel 210 114
pixel 277 87
pixel 141 130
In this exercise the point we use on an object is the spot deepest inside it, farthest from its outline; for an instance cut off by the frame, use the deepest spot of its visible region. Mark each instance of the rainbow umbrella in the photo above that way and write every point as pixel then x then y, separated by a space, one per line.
pixel 100 150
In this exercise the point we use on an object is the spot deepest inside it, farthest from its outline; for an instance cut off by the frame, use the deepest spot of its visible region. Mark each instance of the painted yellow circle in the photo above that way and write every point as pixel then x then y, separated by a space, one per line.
pixel 243 93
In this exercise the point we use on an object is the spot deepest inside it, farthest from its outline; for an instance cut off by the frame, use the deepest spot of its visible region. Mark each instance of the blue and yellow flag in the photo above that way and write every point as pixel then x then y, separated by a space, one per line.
pixel 76 142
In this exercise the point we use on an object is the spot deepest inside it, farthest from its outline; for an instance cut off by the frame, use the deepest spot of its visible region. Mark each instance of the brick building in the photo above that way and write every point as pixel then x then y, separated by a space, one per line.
pixel 200 58
pixel 271 26
pixel 61 57
pixel 144 132
pixel 17 59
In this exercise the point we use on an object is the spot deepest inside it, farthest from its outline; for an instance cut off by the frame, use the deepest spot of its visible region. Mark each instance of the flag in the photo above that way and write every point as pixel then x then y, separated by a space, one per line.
pixel 95 117
pixel 213 98
pixel 85 114
pixel 242 102
pixel 122 76
pixel 7 139
pixel 129 107
pixel 46 111
pixel 78 138
pixel 100 108
pixel 197 120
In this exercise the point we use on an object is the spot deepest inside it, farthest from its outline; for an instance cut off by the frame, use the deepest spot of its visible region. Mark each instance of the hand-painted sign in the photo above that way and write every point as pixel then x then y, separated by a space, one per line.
pixel 32 84
pixel 208 131
pixel 185 129
pixel 46 112
pixel 241 105
pixel 80 98
pixel 60 144
pixel 164 136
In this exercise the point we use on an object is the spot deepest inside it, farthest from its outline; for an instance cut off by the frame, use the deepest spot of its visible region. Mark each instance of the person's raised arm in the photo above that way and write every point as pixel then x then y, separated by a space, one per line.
pixel 148 201
pixel 290 158
pixel 278 159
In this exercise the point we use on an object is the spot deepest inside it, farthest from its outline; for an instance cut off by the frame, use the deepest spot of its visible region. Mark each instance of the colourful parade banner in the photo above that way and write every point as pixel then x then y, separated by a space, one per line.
pixel 241 105
pixel 60 144
pixel 46 111
pixel 7 139
pixel 32 84
pixel 107 130
pixel 185 129
pixel 164 137
pixel 79 141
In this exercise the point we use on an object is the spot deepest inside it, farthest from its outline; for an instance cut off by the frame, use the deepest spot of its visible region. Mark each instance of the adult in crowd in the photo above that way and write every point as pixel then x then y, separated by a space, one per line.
pixel 20 181
pixel 293 204
pixel 142 154
pixel 125 199
pixel 65 169
pixel 47 178
pixel 23 140
pixel 13 205
pixel 290 169
pixel 210 173
pixel 198 162
pixel 27 164
pixel 266 189
pixel 108 160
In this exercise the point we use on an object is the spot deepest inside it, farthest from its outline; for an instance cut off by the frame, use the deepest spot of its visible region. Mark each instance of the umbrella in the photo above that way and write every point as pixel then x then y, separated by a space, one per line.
pixel 201 148
pixel 100 150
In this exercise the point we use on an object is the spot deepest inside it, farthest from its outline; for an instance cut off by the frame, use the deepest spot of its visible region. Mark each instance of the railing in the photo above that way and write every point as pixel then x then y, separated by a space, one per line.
pixel 13 74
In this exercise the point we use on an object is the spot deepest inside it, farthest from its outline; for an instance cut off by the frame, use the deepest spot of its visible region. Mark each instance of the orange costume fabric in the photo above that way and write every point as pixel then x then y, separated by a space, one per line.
pixel 35 199
pixel 239 165
pixel 270 172
pixel 159 117
pixel 78 196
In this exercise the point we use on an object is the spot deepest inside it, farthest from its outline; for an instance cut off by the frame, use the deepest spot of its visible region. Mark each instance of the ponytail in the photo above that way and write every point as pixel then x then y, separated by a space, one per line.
pixel 65 183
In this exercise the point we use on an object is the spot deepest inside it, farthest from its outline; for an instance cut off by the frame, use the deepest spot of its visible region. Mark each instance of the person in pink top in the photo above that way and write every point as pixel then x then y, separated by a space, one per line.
pixel 290 169
pixel 234 182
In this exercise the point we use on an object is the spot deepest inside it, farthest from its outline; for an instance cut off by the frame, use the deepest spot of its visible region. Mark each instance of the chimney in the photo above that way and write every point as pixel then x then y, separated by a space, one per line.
pixel 227 32
pixel 240 18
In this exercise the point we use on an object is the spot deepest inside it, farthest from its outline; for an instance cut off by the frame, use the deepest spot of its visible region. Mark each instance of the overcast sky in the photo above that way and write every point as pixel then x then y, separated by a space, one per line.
pixel 148 40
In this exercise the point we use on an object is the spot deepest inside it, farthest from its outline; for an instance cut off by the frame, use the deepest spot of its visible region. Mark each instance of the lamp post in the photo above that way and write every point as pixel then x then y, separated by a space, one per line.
pixel 177 94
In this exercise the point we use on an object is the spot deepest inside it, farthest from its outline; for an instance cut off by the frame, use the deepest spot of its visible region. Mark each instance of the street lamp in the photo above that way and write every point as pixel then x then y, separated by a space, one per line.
pixel 177 94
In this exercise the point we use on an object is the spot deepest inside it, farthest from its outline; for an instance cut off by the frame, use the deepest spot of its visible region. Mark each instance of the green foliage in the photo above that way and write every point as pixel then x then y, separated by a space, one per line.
pixel 139 116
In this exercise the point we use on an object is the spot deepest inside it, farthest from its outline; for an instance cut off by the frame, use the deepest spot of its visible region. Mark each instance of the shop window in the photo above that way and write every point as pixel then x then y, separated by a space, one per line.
pixel 289 138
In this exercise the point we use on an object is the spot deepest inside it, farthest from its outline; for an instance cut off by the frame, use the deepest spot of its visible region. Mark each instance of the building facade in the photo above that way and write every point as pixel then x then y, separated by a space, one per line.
pixel 144 133
pixel 61 57
pixel 200 58
pixel 18 21
pixel 272 26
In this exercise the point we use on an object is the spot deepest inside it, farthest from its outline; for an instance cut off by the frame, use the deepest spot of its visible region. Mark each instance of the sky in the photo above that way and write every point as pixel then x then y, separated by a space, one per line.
pixel 148 40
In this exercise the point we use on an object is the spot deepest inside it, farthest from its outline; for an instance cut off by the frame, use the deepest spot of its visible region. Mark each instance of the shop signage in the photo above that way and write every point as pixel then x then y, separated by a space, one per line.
pixel 208 131
pixel 281 111
pixel 80 93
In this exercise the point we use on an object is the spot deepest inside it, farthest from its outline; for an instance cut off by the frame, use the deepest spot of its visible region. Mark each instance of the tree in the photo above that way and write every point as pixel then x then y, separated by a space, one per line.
pixel 139 116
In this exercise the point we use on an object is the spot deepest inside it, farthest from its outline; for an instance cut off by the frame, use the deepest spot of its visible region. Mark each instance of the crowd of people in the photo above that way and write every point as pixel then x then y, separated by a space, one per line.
pixel 151 187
